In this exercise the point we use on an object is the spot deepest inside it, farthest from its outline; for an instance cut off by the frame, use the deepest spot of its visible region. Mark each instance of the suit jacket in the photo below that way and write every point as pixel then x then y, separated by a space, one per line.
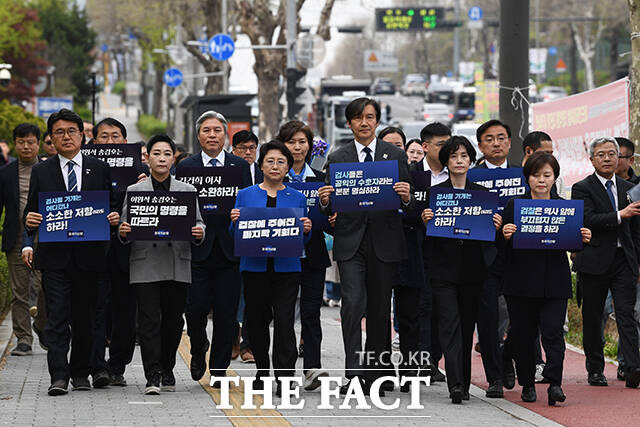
pixel 217 225
pixel 602 220
pixel 534 273
pixel 256 197
pixel 385 226
pixel 10 201
pixel 483 165
pixel 159 261
pixel 457 260
pixel 47 176
pixel 316 252
pixel 259 176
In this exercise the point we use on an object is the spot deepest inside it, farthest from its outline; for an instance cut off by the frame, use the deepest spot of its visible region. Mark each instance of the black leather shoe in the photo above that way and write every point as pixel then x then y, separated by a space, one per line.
pixel 632 378
pixel 495 390
pixel 529 393
pixel 456 394
pixel 437 376
pixel 407 386
pixel 258 384
pixel 508 376
pixel 198 364
pixel 465 395
pixel 597 379
pixel 278 388
pixel 345 388
pixel 620 374
pixel 80 383
pixel 58 388
pixel 168 382
pixel 101 379
pixel 555 394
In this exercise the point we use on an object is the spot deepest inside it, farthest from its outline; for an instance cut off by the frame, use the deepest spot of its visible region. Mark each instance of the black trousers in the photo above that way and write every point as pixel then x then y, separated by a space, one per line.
pixel 456 309
pixel 425 318
pixel 217 289
pixel 622 282
pixel 272 296
pixel 488 335
pixel 160 322
pixel 407 300
pixel 98 362
pixel 311 292
pixel 123 317
pixel 71 298
pixel 528 316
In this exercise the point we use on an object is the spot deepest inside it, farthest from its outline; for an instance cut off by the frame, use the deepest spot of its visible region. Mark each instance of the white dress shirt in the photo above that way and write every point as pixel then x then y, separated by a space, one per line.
pixel 360 149
pixel 435 178
pixel 77 168
pixel 206 159
pixel 614 189
pixel 492 166
pixel 252 168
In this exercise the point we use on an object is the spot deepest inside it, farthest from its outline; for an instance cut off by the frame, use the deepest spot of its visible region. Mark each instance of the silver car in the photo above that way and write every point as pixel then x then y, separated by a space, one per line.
pixel 436 113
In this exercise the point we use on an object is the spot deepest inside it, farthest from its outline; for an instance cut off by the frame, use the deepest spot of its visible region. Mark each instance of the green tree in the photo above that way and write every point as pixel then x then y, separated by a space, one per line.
pixel 70 42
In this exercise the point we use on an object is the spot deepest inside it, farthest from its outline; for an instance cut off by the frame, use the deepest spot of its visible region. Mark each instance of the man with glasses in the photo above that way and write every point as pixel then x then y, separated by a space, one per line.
pixel 245 145
pixel 47 145
pixel 109 131
pixel 14 189
pixel 433 137
pixel 626 160
pixel 70 271
pixel 494 141
pixel 609 262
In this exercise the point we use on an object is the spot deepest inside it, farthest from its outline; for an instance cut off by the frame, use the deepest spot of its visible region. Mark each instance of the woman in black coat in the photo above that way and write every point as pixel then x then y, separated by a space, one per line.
pixel 537 285
pixel 457 269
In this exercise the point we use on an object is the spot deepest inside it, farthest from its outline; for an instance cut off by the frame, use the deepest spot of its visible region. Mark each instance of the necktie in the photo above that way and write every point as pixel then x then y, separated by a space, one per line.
pixel 367 157
pixel 295 177
pixel 609 185
pixel 72 181
pixel 213 162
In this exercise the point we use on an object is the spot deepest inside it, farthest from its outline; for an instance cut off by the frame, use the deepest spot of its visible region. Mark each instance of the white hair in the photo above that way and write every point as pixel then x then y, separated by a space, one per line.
pixel 211 115
pixel 602 140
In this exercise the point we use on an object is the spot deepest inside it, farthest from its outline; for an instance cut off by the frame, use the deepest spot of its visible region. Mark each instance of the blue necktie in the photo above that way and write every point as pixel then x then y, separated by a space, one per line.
pixel 609 185
pixel 367 157
pixel 213 162
pixel 72 181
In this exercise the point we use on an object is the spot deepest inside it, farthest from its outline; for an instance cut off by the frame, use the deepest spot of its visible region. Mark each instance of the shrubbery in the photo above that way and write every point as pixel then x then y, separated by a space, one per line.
pixel 149 125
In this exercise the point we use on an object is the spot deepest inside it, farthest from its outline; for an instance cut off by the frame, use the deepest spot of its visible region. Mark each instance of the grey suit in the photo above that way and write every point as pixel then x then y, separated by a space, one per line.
pixel 160 261
pixel 368 247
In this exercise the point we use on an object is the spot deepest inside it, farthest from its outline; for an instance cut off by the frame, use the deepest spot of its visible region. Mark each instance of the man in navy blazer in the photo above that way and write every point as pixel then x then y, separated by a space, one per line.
pixel 215 275
pixel 70 271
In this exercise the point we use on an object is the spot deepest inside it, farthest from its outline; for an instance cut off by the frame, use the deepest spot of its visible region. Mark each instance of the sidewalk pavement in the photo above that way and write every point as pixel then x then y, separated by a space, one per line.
pixel 110 106
pixel 24 400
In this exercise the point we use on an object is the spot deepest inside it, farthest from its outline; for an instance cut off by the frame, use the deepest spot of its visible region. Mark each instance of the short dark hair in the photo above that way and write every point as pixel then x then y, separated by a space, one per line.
pixel 160 138
pixel 356 107
pixel 534 140
pixel 624 142
pixel 275 144
pixel 109 121
pixel 452 145
pixel 412 141
pixel 434 129
pixel 244 136
pixel 389 130
pixel 65 114
pixel 181 148
pixel 537 162
pixel 24 129
pixel 46 134
pixel 486 125
pixel 289 129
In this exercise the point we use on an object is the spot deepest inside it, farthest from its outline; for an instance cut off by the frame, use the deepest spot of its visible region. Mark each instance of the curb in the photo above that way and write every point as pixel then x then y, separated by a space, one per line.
pixel 6 336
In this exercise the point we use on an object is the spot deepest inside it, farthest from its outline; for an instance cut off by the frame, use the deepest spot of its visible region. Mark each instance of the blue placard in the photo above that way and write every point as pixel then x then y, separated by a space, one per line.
pixel 221 47
pixel 548 224
pixel 310 189
pixel 364 186
pixel 173 77
pixel 73 217
pixel 508 183
pixel 269 232
pixel 125 162
pixel 217 187
pixel 161 215
pixel 462 214
pixel 48 105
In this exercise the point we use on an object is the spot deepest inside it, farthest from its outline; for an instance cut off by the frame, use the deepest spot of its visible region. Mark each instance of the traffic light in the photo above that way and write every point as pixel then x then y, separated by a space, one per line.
pixel 293 91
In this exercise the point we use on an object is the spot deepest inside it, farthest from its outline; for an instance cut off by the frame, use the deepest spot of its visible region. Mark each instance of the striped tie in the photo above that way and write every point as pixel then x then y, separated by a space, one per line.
pixel 213 162
pixel 72 181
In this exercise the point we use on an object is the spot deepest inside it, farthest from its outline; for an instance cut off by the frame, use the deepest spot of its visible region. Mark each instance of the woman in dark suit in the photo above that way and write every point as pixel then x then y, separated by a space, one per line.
pixel 537 285
pixel 298 138
pixel 457 271
pixel 271 283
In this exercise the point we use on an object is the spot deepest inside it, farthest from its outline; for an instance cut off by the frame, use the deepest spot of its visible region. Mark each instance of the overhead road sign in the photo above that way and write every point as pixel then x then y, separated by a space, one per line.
pixel 409 18
pixel 173 77
pixel 221 47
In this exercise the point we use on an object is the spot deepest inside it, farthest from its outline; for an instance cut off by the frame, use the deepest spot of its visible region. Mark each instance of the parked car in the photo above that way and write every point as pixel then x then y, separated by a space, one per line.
pixel 412 129
pixel 549 93
pixel 468 130
pixel 383 85
pixel 436 113
pixel 414 84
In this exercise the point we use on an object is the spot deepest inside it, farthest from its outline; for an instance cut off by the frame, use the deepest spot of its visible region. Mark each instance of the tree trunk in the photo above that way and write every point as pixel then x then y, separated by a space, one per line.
pixel 634 119
pixel 268 101
pixel 613 54
pixel 573 64
pixel 157 91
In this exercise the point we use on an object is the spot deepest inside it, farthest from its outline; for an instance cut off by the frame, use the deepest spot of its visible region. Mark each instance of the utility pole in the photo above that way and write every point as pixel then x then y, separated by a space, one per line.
pixel 456 41
pixel 536 7
pixel 514 71
pixel 225 64
pixel 291 59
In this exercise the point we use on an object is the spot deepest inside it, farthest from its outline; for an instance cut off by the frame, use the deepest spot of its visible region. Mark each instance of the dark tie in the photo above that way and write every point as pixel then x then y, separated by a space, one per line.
pixel 609 185
pixel 367 157
pixel 72 181
pixel 213 162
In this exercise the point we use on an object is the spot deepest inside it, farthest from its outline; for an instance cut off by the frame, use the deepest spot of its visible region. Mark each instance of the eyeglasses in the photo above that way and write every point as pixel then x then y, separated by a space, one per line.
pixel 601 155
pixel 245 147
pixel 490 139
pixel 625 157
pixel 48 142
pixel 280 162
pixel 71 132
pixel 117 136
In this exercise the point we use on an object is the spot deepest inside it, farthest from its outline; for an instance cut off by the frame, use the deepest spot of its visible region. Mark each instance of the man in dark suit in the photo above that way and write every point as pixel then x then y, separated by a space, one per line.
pixel 367 247
pixel 215 275
pixel 245 145
pixel 14 189
pixel 70 271
pixel 610 261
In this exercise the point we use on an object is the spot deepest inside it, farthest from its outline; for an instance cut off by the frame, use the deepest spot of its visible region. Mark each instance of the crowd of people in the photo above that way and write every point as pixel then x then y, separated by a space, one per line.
pixel 441 291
